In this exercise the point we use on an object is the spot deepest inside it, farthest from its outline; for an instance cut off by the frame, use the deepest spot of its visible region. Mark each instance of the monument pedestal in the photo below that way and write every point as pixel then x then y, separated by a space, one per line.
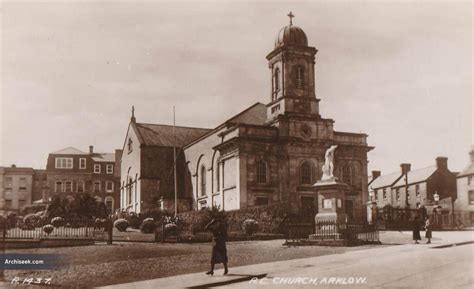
pixel 331 211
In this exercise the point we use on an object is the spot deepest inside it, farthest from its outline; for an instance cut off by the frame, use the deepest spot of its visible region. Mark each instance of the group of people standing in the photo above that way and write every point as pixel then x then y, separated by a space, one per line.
pixel 417 225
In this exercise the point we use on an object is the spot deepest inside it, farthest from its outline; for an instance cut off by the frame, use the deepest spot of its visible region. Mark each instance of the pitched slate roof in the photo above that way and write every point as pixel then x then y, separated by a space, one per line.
pixel 469 170
pixel 69 151
pixel 104 157
pixel 163 135
pixel 417 176
pixel 385 180
pixel 255 114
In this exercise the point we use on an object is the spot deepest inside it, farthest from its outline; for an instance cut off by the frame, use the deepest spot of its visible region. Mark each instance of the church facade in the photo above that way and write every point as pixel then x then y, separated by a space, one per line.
pixel 274 152
pixel 271 153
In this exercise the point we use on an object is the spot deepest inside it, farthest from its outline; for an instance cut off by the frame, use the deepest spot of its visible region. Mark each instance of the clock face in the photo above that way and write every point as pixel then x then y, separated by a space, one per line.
pixel 306 130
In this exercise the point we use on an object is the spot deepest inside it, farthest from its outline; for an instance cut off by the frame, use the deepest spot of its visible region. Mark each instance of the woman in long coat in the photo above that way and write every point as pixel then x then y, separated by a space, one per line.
pixel 218 229
pixel 416 230
pixel 428 234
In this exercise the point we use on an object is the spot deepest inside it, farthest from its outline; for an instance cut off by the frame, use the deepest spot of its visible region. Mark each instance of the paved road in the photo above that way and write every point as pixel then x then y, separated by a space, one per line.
pixel 401 266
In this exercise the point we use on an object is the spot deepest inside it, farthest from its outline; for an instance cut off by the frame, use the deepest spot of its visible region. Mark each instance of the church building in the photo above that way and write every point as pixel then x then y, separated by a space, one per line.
pixel 273 152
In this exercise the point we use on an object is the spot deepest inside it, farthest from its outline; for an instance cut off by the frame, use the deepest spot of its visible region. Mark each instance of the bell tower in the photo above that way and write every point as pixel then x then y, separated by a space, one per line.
pixel 292 72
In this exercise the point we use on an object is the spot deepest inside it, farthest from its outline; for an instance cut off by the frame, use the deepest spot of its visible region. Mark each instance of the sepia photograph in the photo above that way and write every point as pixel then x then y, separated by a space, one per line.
pixel 236 144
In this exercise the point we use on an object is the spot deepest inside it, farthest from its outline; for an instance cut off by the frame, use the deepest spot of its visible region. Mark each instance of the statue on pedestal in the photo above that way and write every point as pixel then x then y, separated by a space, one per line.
pixel 328 167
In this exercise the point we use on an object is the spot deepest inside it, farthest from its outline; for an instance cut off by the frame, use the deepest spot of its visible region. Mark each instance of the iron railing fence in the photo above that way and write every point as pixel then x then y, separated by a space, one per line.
pixel 326 230
pixel 67 228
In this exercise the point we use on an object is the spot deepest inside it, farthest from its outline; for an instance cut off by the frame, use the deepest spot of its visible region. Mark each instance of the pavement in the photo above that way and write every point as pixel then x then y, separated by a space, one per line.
pixel 399 266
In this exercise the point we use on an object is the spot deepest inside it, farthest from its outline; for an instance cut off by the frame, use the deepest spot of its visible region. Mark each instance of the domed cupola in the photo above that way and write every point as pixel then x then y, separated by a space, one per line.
pixel 292 75
pixel 291 35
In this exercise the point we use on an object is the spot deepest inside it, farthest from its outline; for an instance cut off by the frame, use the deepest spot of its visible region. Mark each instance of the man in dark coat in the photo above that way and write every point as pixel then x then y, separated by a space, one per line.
pixel 428 234
pixel 416 230
pixel 218 229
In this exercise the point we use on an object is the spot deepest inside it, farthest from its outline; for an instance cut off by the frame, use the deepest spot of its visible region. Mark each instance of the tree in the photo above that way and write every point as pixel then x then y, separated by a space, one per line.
pixel 81 205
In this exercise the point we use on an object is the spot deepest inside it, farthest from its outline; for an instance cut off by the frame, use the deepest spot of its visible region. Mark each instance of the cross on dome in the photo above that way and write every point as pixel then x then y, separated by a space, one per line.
pixel 291 17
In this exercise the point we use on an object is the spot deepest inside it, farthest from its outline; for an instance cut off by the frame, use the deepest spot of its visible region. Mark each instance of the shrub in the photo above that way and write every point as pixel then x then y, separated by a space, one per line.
pixel 147 226
pixel 133 220
pixel 33 208
pixel 48 229
pixel 171 228
pixel 58 222
pixel 12 219
pixel 100 223
pixel 154 213
pixel 32 221
pixel 121 225
pixel 250 226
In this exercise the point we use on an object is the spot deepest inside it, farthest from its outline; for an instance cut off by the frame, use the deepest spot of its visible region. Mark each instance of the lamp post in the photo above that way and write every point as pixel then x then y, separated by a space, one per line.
pixel 435 210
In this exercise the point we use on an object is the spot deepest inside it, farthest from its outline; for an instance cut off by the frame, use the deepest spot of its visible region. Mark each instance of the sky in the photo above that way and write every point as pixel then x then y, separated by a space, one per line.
pixel 400 72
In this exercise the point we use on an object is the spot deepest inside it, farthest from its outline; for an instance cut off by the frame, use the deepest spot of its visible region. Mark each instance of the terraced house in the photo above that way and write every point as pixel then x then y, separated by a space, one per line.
pixel 71 171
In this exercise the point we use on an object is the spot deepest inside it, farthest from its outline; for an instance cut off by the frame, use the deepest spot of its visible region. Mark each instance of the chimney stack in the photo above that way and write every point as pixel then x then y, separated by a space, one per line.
pixel 13 166
pixel 376 174
pixel 91 149
pixel 405 168
pixel 442 163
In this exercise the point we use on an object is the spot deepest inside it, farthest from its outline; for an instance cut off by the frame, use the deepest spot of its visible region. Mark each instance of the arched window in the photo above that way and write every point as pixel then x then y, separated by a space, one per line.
pixel 276 79
pixel 261 172
pixel 129 191
pixel 305 173
pixel 203 181
pixel 300 77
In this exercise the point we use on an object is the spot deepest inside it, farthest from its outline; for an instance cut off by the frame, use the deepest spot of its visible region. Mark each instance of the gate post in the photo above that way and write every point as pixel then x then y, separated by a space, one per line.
pixel 110 229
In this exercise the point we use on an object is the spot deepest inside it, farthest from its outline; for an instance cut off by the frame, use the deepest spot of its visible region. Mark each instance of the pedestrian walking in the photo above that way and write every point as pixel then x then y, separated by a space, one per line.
pixel 218 229
pixel 428 234
pixel 416 230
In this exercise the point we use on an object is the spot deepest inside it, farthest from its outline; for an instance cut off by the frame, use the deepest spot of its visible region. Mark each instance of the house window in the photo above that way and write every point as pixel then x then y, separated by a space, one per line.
pixel 261 201
pixel 203 181
pixel 470 180
pixel 21 203
pixel 130 145
pixel 397 194
pixel 80 187
pixel 97 187
pixel 8 204
pixel 109 204
pixel 22 183
pixel 417 190
pixel 300 77
pixel 384 194
pixel 8 183
pixel 305 173
pixel 58 187
pixel 82 163
pixel 471 197
pixel 110 169
pixel 261 172
pixel 109 186
pixel 64 163
pixel 96 169
pixel 8 195
pixel 68 186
